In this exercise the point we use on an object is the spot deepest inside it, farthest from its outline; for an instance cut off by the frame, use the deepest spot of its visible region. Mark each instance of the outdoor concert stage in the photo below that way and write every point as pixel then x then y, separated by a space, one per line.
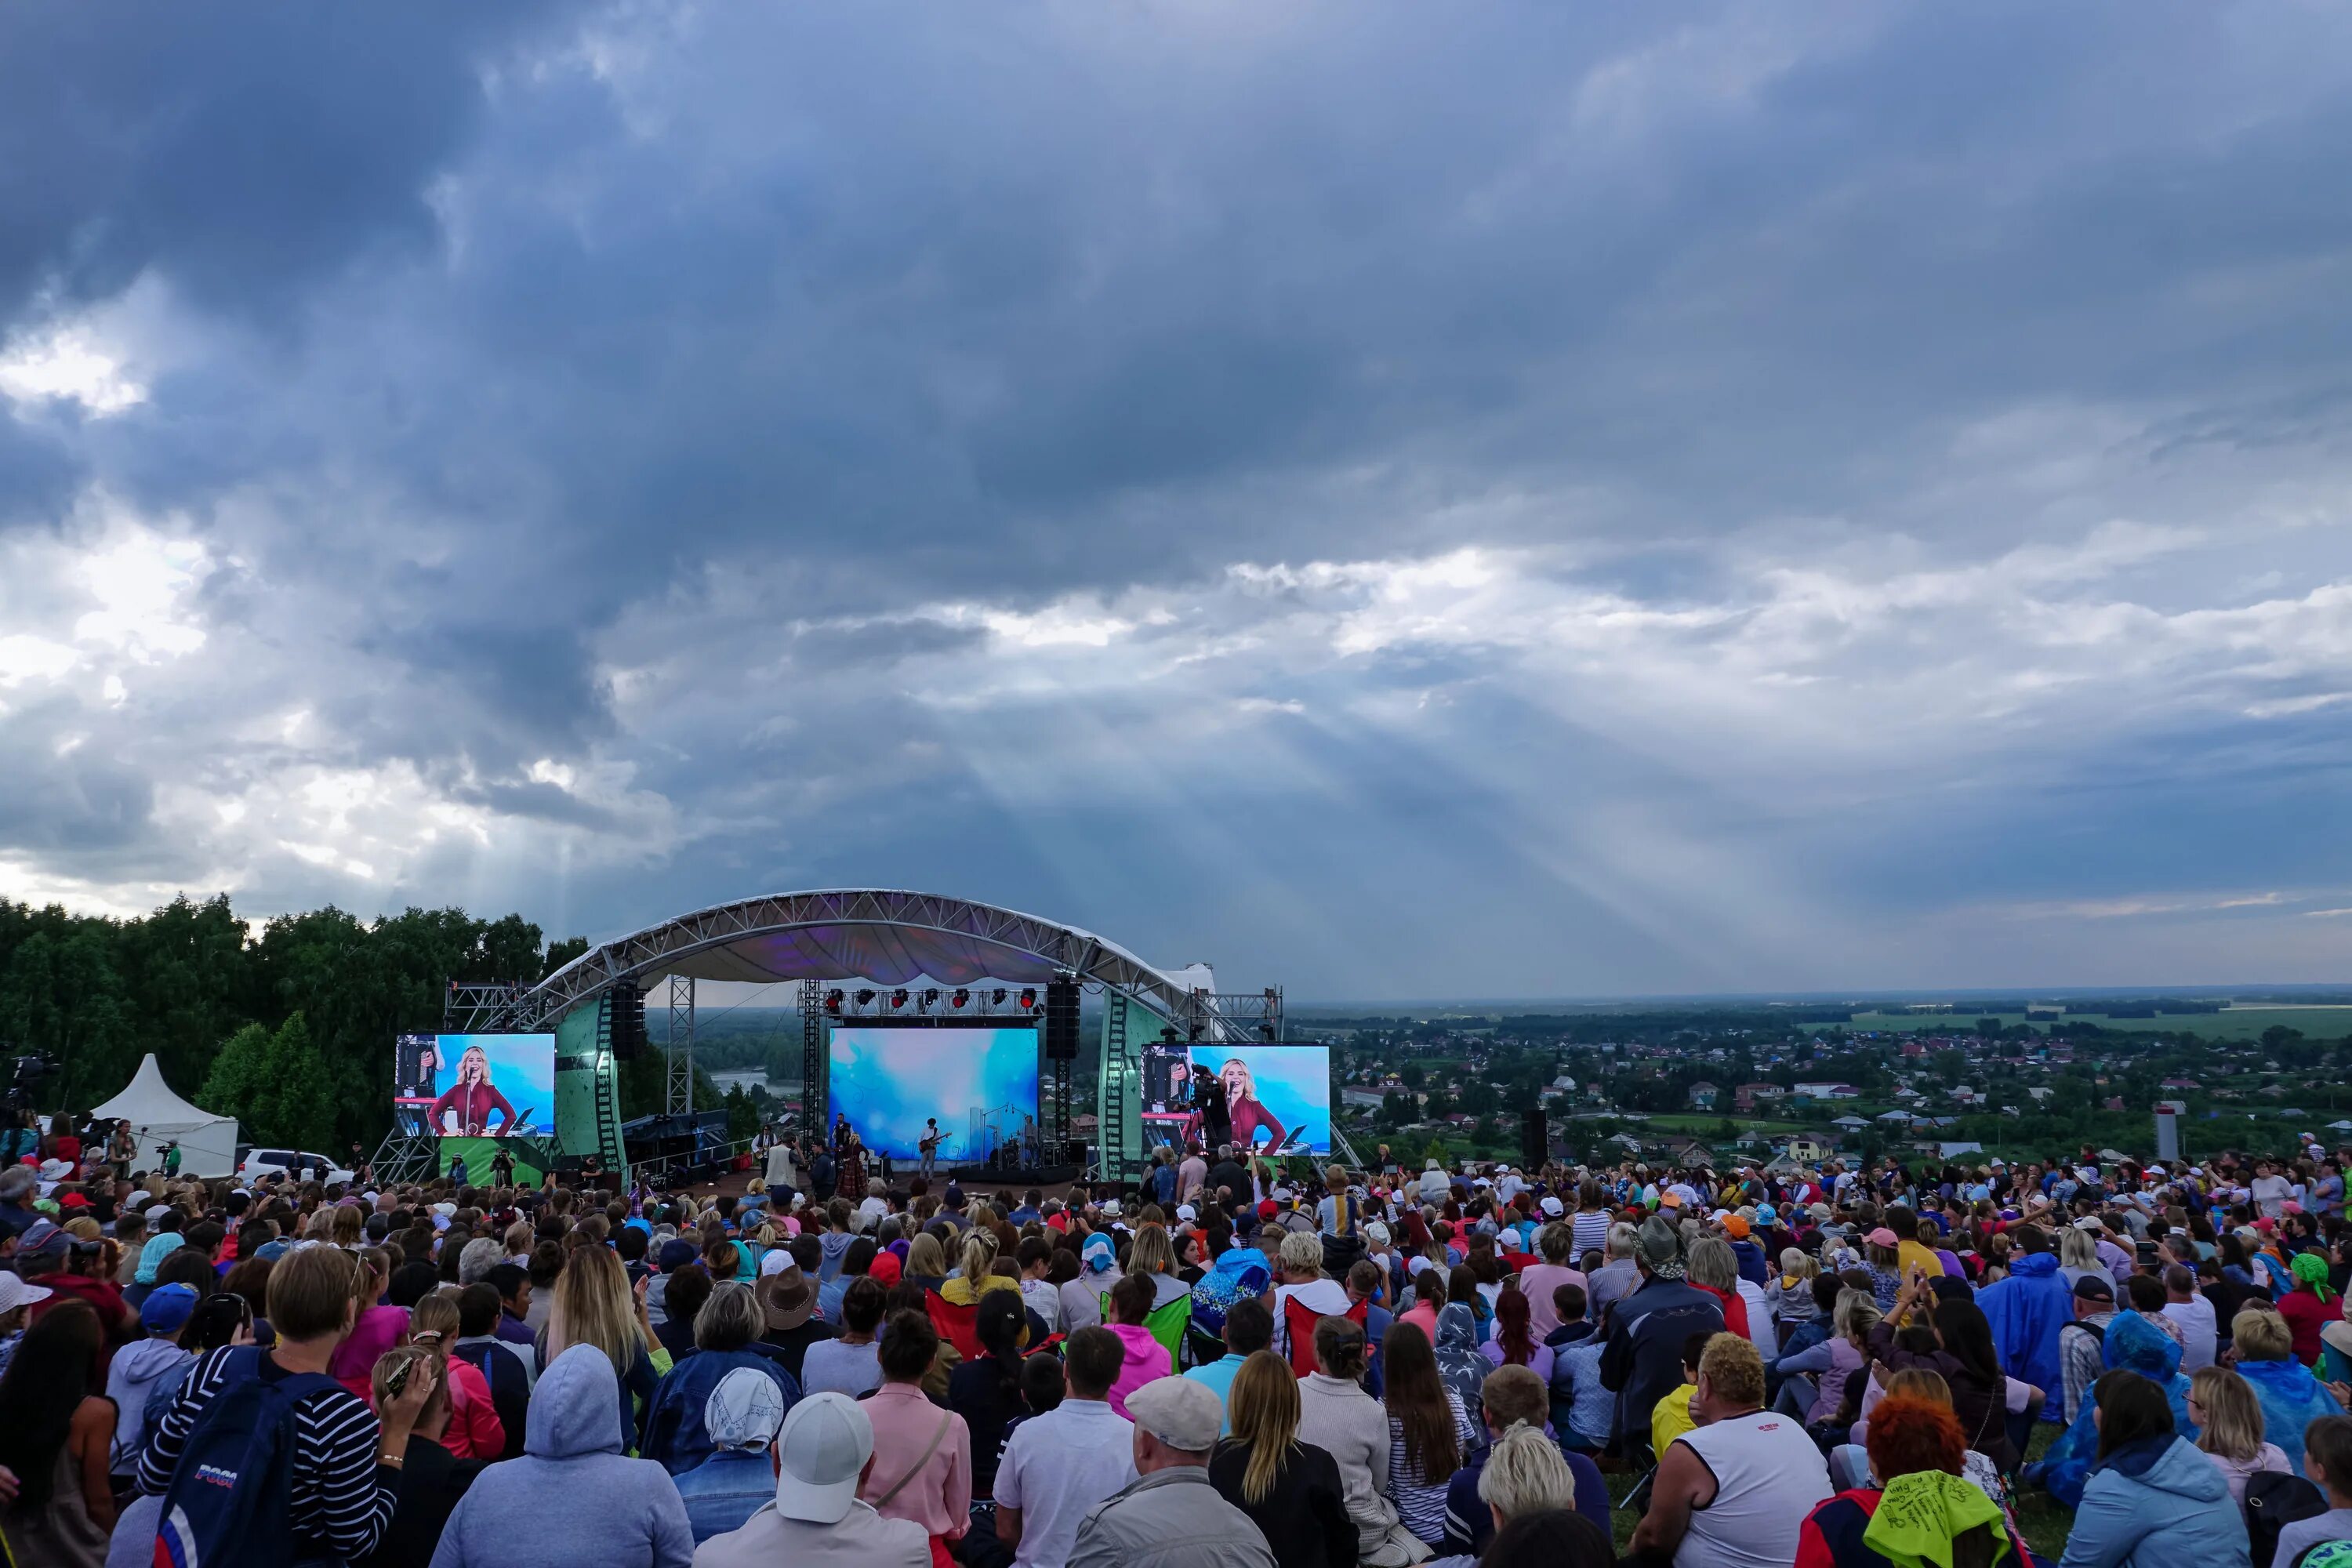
pixel 913 1007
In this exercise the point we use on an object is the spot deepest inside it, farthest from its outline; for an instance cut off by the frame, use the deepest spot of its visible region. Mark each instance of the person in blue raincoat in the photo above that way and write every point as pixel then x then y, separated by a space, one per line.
pixel 2292 1398
pixel 2026 1312
pixel 2133 1344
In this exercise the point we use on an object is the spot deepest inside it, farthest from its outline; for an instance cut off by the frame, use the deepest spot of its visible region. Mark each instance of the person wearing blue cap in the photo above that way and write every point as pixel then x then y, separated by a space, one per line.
pixel 140 1366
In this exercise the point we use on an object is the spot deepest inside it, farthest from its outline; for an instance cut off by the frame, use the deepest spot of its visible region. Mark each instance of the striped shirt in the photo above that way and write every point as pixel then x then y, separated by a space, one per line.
pixel 1421 1503
pixel 340 1496
pixel 1590 1230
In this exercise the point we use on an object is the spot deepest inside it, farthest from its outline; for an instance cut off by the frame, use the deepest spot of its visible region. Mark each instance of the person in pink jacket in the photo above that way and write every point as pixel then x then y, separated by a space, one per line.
pixel 1146 1358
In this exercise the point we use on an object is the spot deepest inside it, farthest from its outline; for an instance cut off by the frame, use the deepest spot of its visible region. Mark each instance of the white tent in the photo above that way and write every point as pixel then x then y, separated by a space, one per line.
pixel 157 1116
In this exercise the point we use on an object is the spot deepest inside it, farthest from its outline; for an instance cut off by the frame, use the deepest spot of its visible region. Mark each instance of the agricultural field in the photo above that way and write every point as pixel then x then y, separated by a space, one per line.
pixel 2233 1023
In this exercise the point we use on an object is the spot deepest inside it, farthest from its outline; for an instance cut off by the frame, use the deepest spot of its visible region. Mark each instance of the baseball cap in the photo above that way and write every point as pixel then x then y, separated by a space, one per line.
pixel 1553 1207
pixel 1179 1412
pixel 775 1261
pixel 2087 1223
pixel 1882 1236
pixel 1187 1213
pixel 40 1238
pixel 2092 1288
pixel 167 1307
pixel 744 1410
pixel 820 1453
pixel 674 1254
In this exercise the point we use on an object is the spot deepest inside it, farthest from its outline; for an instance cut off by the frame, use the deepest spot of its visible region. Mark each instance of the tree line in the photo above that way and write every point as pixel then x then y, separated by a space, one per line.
pixel 290 1025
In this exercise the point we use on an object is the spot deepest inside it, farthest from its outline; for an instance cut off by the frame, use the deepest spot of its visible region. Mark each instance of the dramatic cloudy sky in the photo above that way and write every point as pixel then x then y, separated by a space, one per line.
pixel 1497 500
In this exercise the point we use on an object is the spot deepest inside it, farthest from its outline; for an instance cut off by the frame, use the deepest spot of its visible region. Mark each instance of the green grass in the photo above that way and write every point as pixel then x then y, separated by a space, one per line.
pixel 1704 1124
pixel 2234 1023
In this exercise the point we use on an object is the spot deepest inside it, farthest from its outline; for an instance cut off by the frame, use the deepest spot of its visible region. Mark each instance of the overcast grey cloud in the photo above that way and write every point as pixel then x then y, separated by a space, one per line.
pixel 1523 500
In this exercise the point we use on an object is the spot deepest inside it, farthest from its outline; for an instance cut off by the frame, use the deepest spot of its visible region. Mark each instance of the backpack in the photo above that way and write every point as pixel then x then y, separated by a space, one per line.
pixel 228 1497
pixel 2275 1500
pixel 510 1385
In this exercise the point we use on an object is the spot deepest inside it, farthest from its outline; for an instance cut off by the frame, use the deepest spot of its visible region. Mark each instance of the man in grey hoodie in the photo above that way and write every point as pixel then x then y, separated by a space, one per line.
pixel 140 1365
pixel 615 1511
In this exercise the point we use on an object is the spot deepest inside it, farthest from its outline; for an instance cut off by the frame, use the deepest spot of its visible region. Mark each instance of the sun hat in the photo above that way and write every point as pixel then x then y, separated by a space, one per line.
pixel 786 1300
pixel 15 1292
pixel 820 1454
pixel 1660 1246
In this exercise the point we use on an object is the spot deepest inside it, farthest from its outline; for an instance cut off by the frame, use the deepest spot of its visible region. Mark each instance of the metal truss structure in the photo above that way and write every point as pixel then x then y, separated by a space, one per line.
pixel 1024 941
pixel 678 1057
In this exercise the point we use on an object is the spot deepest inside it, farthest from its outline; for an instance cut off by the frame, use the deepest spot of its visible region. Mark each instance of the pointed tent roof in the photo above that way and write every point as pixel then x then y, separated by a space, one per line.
pixel 148 1101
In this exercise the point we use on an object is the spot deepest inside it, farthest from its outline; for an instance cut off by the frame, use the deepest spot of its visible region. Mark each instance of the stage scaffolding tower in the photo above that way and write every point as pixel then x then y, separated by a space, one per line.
pixel 812 1123
pixel 678 1051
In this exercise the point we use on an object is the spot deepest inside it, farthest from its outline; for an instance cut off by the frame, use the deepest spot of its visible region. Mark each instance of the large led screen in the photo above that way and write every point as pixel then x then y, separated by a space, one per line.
pixel 979 1085
pixel 473 1086
pixel 1277 1098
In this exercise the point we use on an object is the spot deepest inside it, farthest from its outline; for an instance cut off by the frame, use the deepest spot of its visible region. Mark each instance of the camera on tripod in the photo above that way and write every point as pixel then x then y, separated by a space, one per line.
pixel 29 1074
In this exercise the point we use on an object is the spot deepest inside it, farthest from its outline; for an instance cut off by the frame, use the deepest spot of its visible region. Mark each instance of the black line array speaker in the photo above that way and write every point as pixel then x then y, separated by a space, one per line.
pixel 1062 1021
pixel 627 1029
pixel 1535 1137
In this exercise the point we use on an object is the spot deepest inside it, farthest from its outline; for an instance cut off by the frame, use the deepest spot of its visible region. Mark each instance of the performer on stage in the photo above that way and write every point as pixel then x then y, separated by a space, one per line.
pixel 852 1182
pixel 930 1145
pixel 1243 1108
pixel 470 1101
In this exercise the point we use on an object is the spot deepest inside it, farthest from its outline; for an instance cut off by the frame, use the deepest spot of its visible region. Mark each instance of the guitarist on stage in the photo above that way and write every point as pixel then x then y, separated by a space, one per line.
pixel 930 1145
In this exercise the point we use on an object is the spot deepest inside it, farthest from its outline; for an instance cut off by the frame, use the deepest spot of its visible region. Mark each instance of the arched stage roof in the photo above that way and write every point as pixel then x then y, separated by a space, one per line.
pixel 885 936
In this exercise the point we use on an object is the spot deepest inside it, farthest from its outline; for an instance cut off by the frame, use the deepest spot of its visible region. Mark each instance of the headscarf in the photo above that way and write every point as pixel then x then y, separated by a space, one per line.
pixel 1919 1513
pixel 1460 1364
pixel 2310 1268
pixel 159 1246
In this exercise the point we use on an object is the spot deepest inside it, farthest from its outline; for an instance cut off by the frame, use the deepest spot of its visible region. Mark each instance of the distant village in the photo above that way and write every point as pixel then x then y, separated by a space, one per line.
pixel 1716 1089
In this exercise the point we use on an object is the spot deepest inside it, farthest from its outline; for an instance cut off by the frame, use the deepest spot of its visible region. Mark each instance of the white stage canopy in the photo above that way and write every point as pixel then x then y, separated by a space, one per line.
pixel 157 1116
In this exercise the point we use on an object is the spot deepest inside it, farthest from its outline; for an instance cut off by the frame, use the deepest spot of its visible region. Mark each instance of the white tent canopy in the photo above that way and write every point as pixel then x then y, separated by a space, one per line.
pixel 157 1116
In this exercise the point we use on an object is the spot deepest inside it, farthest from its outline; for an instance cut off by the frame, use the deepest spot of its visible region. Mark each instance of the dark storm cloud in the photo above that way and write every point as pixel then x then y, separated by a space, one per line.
pixel 635 454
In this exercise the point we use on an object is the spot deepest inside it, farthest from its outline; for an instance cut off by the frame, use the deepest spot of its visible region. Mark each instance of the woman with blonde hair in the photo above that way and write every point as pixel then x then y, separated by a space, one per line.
pixel 474 1430
pixel 2230 1427
pixel 1290 1490
pixel 470 1101
pixel 975 1270
pixel 927 1262
pixel 1153 1255
pixel 594 1306
pixel 347 1227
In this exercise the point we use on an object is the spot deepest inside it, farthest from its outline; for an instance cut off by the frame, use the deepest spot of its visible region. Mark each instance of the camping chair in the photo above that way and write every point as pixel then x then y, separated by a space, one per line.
pixel 1300 1323
pixel 1168 1324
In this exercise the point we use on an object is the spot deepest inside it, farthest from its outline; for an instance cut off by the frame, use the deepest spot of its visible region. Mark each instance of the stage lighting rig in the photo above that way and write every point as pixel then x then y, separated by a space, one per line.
pixel 865 998
pixel 962 998
pixel 997 996
pixel 1028 998
pixel 899 997
pixel 930 999
pixel 833 1000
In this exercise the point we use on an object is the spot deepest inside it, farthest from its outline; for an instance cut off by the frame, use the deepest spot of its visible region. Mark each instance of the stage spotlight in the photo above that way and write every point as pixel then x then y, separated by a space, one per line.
pixel 997 996
pixel 865 998
pixel 1265 1031
pixel 1028 998
pixel 833 1001
pixel 1195 1031
pixel 960 998
pixel 899 997
pixel 930 999
pixel 1169 1036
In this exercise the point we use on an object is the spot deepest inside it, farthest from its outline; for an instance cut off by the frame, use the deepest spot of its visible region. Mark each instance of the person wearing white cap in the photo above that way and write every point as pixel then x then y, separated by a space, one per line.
pixel 743 1416
pixel 823 1454
pixel 1171 1516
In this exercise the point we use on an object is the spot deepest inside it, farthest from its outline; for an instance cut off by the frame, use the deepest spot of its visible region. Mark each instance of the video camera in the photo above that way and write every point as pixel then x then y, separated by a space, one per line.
pixel 29 1073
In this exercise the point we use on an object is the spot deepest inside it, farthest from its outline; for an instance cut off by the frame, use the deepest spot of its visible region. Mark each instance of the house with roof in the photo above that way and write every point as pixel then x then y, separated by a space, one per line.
pixel 1702 1096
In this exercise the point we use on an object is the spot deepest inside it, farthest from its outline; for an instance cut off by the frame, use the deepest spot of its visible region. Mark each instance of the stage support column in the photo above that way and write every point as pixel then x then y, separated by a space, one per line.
pixel 678 1049
pixel 812 1063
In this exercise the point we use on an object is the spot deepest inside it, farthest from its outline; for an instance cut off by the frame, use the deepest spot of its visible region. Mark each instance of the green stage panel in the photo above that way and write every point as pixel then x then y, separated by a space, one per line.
pixel 531 1159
